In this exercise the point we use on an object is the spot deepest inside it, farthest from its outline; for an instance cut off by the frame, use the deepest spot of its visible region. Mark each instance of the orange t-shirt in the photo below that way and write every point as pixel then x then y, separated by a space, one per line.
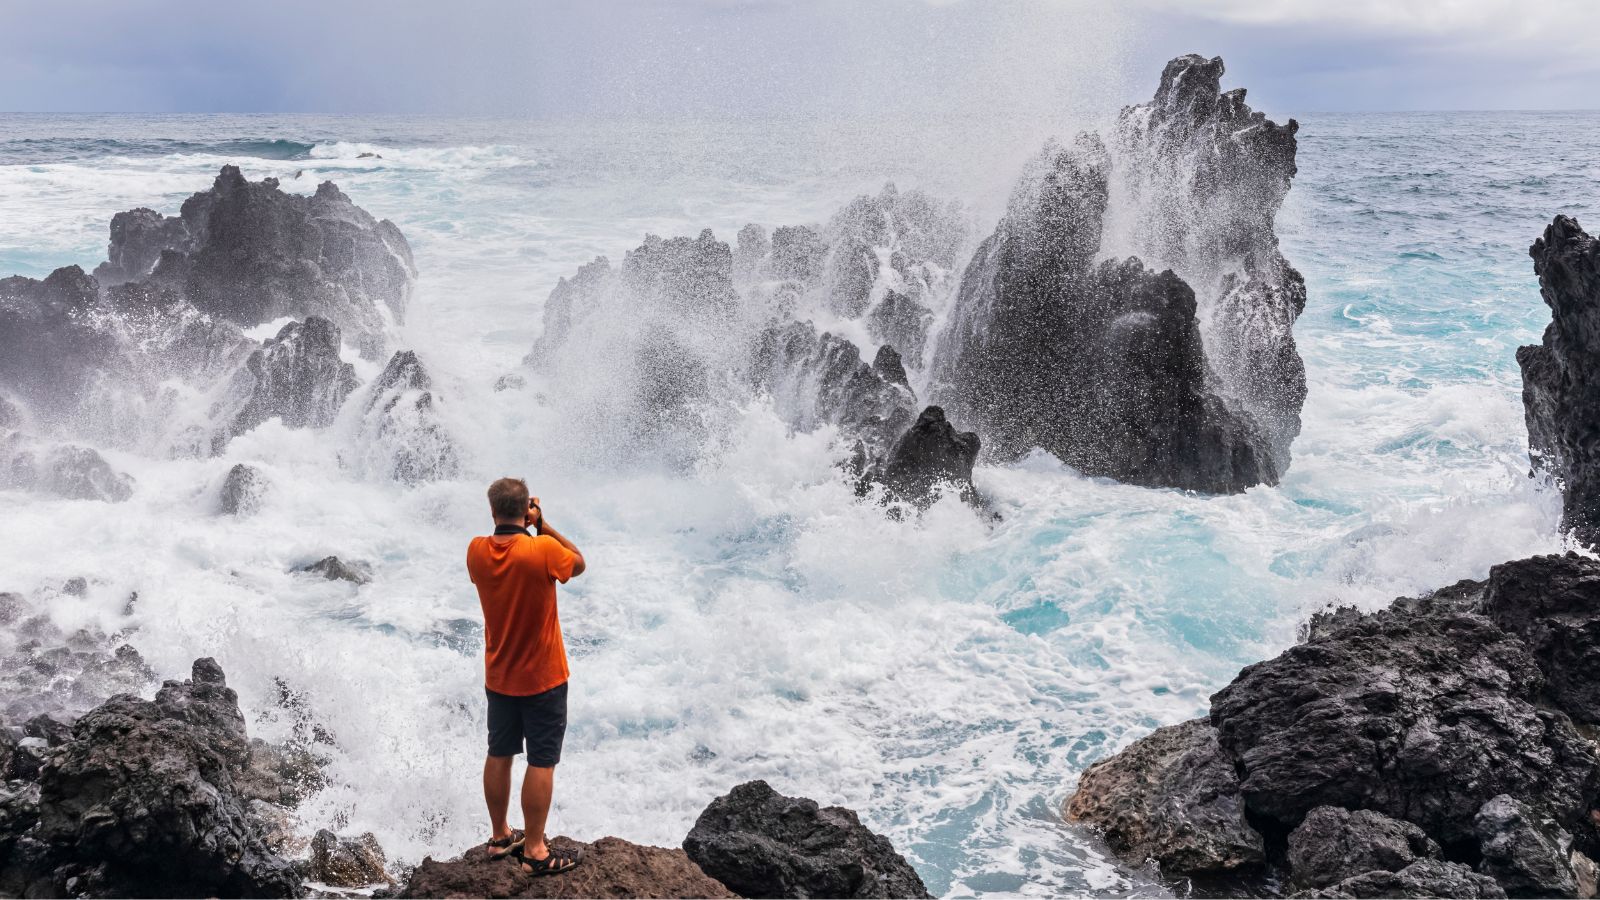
pixel 523 653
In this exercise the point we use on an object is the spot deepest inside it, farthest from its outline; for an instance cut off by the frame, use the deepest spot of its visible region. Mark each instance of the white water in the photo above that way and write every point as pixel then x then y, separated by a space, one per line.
pixel 947 677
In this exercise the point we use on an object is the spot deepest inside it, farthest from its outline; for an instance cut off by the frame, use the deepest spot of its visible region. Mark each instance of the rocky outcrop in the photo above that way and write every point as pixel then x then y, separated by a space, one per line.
pixel 248 253
pixel 346 862
pixel 1120 370
pixel 1200 178
pixel 611 868
pixel 762 844
pixel 906 242
pixel 1333 844
pixel 333 568
pixel 1561 374
pixel 242 492
pixel 1172 797
pixel 138 239
pixel 404 437
pixel 296 377
pixel 931 453
pixel 1527 855
pixel 143 801
pixel 1423 878
pixel 60 470
pixel 820 379
pixel 1412 740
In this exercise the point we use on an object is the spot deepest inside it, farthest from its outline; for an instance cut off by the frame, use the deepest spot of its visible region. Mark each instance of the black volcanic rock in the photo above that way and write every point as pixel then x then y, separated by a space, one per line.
pixel 918 236
pixel 242 491
pixel 1173 797
pixel 1422 879
pixel 820 379
pixel 260 254
pixel 62 470
pixel 142 801
pixel 403 433
pixel 1420 717
pixel 296 377
pixel 931 452
pixel 50 342
pixel 577 295
pixel 1526 856
pixel 1120 370
pixel 1333 844
pixel 1553 604
pixel 347 862
pixel 1204 176
pixel 138 238
pixel 902 322
pixel 762 844
pixel 332 568
pixel 1561 374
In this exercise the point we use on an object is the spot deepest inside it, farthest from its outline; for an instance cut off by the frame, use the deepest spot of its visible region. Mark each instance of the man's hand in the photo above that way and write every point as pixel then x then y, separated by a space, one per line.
pixel 535 515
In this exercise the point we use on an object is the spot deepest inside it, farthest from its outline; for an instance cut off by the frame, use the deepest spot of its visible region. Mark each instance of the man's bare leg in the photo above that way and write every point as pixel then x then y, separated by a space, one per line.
pixel 537 787
pixel 497 793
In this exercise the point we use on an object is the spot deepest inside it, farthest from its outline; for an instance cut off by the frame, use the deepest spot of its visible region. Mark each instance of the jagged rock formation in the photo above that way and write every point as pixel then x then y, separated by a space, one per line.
pixel 1333 844
pixel 820 379
pixel 332 568
pixel 243 491
pixel 296 377
pixel 762 844
pixel 61 470
pixel 1109 365
pixel 905 242
pixel 931 453
pixel 404 437
pixel 1199 179
pixel 1443 720
pixel 248 253
pixel 346 862
pixel 143 801
pixel 611 867
pixel 1561 375
pixel 1172 797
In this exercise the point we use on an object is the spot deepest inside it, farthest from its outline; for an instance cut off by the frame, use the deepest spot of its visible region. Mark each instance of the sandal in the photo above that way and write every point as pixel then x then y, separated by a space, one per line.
pixel 560 860
pixel 500 848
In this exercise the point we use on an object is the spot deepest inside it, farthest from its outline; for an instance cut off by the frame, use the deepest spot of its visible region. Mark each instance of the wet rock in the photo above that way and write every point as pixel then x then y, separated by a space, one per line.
pixel 611 868
pixel 62 470
pixel 820 379
pixel 1334 844
pixel 762 844
pixel 931 453
pixel 243 491
pixel 750 248
pixel 49 729
pixel 797 254
pixel 261 254
pixel 142 801
pixel 571 298
pixel 335 569
pixel 138 238
pixel 1527 857
pixel 1561 374
pixel 404 435
pixel 1158 390
pixel 1172 797
pixel 510 382
pixel 888 365
pixel 51 347
pixel 919 237
pixel 347 862
pixel 1132 402
pixel 296 377
pixel 902 322
pixel 1423 717
pixel 1553 604
pixel 1205 176
pixel 1423 878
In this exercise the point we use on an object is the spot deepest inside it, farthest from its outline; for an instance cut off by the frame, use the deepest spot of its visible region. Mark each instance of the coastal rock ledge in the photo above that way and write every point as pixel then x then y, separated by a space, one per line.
pixel 1430 749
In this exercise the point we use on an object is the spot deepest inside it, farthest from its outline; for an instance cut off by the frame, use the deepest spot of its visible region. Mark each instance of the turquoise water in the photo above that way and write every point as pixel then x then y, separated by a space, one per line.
pixel 948 678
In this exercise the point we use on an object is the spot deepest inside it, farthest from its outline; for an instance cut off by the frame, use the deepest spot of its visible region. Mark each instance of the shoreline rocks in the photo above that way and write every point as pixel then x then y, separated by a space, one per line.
pixel 1561 374
pixel 1434 741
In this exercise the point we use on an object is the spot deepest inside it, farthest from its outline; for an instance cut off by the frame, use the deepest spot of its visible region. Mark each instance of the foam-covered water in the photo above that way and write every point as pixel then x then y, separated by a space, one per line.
pixel 948 678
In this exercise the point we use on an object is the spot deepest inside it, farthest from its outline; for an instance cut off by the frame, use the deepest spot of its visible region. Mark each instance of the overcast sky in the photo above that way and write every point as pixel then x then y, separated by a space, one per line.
pixel 758 58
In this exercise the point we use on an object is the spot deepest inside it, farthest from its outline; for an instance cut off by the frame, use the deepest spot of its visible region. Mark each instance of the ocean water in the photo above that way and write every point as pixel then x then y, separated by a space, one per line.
pixel 948 677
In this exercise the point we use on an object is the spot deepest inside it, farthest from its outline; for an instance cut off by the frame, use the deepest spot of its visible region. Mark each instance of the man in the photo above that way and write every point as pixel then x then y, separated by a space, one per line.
pixel 525 667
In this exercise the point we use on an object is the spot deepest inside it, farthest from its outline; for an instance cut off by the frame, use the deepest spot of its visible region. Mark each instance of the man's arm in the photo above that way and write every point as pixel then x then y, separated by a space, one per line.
pixel 536 521
pixel 549 530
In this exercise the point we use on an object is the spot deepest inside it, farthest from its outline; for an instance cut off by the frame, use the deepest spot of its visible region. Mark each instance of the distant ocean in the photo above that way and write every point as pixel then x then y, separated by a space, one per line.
pixel 947 678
